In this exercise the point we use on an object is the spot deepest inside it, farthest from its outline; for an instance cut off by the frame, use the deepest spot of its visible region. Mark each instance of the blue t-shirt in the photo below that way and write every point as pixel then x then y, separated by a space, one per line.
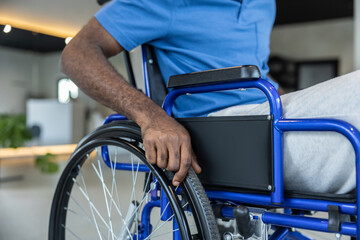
pixel 196 35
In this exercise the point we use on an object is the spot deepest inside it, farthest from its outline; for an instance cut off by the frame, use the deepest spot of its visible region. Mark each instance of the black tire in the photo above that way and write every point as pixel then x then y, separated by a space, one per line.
pixel 126 135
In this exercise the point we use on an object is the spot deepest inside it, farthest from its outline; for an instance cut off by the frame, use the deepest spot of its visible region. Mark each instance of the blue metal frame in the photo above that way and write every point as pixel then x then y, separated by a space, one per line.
pixel 276 199
pixel 281 125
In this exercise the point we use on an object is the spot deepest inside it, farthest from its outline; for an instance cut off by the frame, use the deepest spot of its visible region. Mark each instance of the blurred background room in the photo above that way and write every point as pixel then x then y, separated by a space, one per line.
pixel 43 114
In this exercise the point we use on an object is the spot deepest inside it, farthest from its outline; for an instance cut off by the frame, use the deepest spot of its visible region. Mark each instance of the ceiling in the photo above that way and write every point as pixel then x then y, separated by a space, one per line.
pixel 54 20
pixel 28 40
pixel 61 18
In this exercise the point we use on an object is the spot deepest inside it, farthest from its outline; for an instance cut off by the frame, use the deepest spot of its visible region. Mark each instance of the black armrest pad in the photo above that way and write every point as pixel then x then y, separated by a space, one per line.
pixel 215 76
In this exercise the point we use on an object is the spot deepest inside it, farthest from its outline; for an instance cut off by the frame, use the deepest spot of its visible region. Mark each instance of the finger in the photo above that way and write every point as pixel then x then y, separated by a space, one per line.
pixel 150 152
pixel 195 164
pixel 185 163
pixel 162 155
pixel 174 158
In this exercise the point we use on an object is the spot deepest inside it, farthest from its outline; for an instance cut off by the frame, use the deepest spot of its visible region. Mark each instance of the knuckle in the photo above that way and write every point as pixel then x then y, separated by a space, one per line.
pixel 186 164
pixel 162 157
pixel 150 159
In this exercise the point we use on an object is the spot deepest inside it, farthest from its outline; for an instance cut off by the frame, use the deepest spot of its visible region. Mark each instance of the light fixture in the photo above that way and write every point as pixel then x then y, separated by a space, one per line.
pixel 68 39
pixel 7 28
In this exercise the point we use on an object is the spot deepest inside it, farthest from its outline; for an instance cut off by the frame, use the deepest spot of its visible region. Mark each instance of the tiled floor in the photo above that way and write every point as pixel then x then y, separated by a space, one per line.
pixel 25 204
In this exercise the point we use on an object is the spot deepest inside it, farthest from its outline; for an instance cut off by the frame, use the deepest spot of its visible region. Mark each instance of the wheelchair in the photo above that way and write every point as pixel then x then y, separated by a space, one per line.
pixel 109 191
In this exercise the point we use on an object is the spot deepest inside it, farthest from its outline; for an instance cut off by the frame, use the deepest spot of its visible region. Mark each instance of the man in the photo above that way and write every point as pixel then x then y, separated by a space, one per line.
pixel 187 36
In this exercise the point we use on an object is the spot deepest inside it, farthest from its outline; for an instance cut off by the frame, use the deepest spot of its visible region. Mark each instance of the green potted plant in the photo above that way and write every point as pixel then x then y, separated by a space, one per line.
pixel 14 133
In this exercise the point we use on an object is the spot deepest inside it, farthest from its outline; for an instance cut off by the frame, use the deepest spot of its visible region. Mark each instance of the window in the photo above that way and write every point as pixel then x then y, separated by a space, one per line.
pixel 67 90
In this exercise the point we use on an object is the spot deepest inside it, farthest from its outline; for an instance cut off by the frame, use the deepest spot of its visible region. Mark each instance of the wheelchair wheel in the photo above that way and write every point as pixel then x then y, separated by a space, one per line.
pixel 93 200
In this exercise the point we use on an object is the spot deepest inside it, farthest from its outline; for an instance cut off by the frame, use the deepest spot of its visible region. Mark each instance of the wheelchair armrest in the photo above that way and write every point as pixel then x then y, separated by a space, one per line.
pixel 222 75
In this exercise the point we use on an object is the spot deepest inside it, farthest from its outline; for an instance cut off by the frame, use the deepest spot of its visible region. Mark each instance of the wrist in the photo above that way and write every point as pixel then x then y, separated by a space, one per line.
pixel 152 117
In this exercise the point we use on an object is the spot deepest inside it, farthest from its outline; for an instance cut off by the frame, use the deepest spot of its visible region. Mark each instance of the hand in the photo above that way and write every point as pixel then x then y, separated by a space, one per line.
pixel 167 144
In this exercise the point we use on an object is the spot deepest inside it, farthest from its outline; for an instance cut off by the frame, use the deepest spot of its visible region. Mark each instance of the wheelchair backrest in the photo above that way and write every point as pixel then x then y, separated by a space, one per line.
pixel 149 81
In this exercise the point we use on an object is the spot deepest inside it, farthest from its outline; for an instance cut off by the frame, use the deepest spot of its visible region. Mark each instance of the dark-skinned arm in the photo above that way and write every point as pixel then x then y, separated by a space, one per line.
pixel 85 61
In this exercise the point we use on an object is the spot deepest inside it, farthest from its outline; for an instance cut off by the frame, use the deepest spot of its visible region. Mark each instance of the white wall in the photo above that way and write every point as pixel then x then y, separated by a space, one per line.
pixel 19 78
pixel 27 74
pixel 357 33
pixel 317 40
pixel 49 74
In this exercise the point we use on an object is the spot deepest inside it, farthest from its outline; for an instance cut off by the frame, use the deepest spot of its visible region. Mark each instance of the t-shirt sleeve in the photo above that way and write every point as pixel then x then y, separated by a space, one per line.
pixel 134 22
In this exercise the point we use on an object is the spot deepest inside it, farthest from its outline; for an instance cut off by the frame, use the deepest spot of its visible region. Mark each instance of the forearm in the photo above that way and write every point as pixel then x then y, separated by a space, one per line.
pixel 86 64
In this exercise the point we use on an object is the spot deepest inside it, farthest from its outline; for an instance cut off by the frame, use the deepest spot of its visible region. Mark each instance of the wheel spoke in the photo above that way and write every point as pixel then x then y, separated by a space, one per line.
pixel 142 201
pixel 72 233
pixel 108 192
pixel 95 196
pixel 133 194
pixel 92 207
pixel 105 197
pixel 86 217
pixel 87 198
pixel 163 223
pixel 158 222
pixel 174 230
pixel 163 234
pixel 82 210
pixel 114 185
pixel 106 189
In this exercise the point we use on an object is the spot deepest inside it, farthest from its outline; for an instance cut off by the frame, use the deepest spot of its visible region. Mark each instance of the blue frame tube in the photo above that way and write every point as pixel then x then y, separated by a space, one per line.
pixel 114 117
pixel 280 234
pixel 342 127
pixel 273 97
pixel 145 217
pixel 260 199
pixel 316 224
pixel 165 208
pixel 146 76
pixel 121 166
pixel 297 236
pixel 176 232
